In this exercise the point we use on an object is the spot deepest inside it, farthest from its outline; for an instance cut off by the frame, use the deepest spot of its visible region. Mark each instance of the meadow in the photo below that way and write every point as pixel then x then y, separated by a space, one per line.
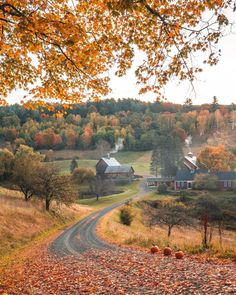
pixel 140 161
pixel 187 239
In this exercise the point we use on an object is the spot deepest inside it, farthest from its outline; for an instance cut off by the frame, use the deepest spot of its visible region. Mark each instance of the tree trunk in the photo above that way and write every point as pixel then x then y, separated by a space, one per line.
pixel 211 234
pixel 220 233
pixel 169 231
pixel 205 226
pixel 47 203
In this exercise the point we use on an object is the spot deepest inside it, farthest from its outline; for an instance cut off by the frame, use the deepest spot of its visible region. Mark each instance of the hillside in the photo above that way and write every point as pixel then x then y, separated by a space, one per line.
pixel 22 222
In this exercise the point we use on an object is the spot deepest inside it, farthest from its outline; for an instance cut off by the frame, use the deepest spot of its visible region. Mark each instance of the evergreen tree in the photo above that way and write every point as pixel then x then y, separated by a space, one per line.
pixel 73 165
pixel 166 154
pixel 215 104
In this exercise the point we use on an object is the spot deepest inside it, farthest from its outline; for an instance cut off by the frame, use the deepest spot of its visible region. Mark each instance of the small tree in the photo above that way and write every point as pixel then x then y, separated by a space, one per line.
pixel 73 165
pixel 26 164
pixel 82 175
pixel 6 163
pixel 208 213
pixel 205 181
pixel 126 216
pixel 169 213
pixel 100 187
pixel 51 185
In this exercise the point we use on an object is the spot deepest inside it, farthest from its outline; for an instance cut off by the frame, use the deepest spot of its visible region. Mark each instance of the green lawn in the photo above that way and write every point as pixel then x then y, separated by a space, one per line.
pixel 129 190
pixel 64 165
pixel 140 161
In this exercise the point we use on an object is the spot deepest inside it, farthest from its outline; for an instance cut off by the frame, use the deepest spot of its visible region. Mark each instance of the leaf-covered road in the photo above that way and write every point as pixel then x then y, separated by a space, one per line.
pixel 87 265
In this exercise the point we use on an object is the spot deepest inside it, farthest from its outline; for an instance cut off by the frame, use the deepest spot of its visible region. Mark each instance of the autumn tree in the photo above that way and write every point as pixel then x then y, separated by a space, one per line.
pixel 208 212
pixel 216 158
pixel 168 212
pixel 82 175
pixel 100 187
pixel 26 165
pixel 67 47
pixel 6 163
pixel 52 186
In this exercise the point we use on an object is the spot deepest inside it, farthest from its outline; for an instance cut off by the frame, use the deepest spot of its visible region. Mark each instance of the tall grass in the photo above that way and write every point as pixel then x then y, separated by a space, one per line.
pixel 21 222
pixel 186 239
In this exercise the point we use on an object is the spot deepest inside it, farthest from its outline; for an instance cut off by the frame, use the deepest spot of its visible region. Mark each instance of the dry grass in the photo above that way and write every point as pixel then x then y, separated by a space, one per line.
pixel 21 222
pixel 138 235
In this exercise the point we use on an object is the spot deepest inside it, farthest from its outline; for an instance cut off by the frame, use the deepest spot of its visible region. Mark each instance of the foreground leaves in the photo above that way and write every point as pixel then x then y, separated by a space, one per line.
pixel 117 272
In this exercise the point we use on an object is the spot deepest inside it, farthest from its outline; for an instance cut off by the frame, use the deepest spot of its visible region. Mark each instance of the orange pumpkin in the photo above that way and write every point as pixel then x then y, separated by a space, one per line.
pixel 179 254
pixel 155 249
pixel 167 251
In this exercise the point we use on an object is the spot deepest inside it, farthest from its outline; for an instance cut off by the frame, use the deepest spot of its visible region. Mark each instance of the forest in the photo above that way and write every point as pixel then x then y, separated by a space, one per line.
pixel 85 126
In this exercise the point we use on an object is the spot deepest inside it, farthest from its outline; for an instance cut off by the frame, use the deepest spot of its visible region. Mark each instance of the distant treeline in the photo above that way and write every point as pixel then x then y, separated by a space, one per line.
pixel 88 125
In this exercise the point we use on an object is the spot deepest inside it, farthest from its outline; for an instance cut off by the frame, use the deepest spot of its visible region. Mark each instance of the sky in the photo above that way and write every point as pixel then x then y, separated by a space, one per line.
pixel 219 81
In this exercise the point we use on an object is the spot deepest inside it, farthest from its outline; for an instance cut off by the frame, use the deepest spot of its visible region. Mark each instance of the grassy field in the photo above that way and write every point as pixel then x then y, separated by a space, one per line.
pixel 184 238
pixel 102 202
pixel 64 165
pixel 21 222
pixel 140 161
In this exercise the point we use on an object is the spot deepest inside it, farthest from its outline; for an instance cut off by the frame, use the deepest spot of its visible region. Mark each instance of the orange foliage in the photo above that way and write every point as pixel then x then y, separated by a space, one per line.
pixel 68 48
pixel 217 158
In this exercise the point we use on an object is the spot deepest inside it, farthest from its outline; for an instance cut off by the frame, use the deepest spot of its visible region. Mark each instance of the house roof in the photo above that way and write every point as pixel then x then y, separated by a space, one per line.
pixel 231 175
pixel 185 175
pixel 190 159
pixel 153 179
pixel 118 169
pixel 110 161
pixel 188 175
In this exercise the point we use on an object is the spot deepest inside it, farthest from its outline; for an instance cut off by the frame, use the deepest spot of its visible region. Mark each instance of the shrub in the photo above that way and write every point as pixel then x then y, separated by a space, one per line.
pixel 162 188
pixel 126 215
pixel 205 181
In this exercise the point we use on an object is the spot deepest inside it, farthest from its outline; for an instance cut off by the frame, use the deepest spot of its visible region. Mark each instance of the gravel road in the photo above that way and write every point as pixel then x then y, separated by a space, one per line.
pixel 82 236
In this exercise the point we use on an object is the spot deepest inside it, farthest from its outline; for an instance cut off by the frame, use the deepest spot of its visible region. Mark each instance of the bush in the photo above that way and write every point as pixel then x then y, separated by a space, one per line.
pixel 126 215
pixel 205 181
pixel 162 188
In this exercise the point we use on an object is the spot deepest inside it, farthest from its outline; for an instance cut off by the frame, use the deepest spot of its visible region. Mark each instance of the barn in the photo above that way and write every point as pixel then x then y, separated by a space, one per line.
pixel 109 168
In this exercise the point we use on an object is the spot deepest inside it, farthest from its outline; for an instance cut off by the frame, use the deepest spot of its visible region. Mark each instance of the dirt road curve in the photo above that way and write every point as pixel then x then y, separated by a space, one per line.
pixel 82 236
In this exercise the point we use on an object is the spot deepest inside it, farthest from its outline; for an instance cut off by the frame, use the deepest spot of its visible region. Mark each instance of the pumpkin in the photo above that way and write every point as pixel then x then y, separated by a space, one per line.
pixel 167 251
pixel 179 254
pixel 154 249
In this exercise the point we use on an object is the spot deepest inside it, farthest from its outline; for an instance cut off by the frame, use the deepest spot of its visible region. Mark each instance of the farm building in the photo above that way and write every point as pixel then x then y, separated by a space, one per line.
pixel 184 179
pixel 110 168
pixel 190 162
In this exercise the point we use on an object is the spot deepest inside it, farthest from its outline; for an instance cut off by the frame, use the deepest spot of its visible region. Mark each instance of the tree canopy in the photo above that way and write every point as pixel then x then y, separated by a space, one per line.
pixel 63 49
pixel 217 158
